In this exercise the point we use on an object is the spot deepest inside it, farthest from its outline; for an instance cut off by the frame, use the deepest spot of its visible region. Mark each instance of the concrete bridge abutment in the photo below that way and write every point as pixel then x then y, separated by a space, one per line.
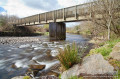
pixel 57 31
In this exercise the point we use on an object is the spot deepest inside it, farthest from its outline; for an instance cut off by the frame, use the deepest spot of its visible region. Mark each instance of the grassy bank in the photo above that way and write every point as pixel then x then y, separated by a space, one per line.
pixel 105 47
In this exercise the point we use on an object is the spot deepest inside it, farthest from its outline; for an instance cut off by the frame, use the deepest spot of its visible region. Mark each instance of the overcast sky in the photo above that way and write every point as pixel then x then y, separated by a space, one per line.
pixel 23 8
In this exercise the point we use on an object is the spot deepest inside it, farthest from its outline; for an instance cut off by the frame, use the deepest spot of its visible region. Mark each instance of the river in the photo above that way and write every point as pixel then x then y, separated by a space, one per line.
pixel 24 54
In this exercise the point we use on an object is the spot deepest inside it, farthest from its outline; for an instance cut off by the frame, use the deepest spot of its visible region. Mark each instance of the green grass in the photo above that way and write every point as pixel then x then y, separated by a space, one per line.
pixel 69 56
pixel 111 43
pixel 26 77
pixel 105 51
pixel 46 33
pixel 106 48
pixel 117 75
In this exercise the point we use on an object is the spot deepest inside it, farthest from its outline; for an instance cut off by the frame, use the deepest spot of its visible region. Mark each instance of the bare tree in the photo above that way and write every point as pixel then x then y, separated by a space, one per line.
pixel 106 14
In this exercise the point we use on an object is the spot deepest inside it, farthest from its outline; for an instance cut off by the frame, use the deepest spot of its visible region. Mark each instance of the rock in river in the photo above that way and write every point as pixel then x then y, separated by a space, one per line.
pixel 18 77
pixel 34 69
pixel 37 67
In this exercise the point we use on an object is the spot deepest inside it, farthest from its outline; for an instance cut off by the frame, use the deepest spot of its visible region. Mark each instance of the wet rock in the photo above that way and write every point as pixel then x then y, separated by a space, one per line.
pixel 48 53
pixel 53 73
pixel 54 53
pixel 48 77
pixel 24 46
pixel 34 69
pixel 94 64
pixel 13 66
pixel 37 67
pixel 45 44
pixel 115 54
pixel 29 49
pixel 56 68
pixel 18 77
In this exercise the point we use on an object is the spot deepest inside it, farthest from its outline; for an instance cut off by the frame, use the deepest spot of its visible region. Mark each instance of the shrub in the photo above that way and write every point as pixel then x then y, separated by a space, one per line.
pixel 69 56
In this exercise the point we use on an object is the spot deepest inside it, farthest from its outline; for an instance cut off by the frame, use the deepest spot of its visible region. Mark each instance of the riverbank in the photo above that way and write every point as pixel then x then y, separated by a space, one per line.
pixel 21 34
pixel 15 40
pixel 15 58
pixel 103 61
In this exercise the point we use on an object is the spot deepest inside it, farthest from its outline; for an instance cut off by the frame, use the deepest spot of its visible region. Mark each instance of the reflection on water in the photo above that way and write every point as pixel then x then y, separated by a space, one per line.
pixel 14 59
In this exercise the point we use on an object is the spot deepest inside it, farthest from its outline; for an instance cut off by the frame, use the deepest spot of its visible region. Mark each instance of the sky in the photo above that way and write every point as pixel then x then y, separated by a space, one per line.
pixel 24 8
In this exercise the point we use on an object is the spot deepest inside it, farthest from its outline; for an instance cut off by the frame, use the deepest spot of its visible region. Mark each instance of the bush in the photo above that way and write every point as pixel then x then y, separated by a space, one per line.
pixel 69 56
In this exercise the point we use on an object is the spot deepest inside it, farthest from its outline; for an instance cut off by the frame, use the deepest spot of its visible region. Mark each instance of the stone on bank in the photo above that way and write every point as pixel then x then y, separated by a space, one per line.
pixel 115 54
pixel 93 65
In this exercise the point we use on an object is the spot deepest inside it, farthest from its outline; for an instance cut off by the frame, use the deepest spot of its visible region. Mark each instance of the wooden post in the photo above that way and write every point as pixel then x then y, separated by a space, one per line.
pixel 39 18
pixel 24 21
pixel 46 17
pixel 76 17
pixel 29 20
pixel 63 13
pixel 54 20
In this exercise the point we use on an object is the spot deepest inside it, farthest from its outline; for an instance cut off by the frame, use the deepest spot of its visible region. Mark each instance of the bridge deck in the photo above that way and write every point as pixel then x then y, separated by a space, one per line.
pixel 74 13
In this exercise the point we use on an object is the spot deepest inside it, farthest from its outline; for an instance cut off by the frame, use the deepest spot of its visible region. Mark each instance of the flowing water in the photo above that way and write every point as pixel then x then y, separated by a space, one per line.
pixel 22 55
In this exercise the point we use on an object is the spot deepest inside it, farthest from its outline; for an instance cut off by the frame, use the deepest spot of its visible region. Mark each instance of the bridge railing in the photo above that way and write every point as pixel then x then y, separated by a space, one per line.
pixel 87 9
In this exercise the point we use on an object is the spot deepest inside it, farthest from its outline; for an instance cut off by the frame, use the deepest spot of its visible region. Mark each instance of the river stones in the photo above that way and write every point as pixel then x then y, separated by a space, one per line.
pixel 54 53
pixel 18 77
pixel 34 69
pixel 13 66
pixel 37 67
pixel 53 73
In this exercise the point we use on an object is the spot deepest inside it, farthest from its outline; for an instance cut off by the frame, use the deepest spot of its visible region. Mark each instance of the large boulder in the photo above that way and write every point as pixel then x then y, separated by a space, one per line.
pixel 115 54
pixel 71 72
pixel 93 65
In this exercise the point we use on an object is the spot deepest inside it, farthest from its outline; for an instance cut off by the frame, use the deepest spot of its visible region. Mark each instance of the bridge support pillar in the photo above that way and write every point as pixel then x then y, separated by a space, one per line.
pixel 57 31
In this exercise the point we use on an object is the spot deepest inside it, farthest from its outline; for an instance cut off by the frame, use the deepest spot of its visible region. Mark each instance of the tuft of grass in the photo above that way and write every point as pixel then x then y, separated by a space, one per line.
pixel 26 77
pixel 114 63
pixel 69 56
pixel 117 75
pixel 60 76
